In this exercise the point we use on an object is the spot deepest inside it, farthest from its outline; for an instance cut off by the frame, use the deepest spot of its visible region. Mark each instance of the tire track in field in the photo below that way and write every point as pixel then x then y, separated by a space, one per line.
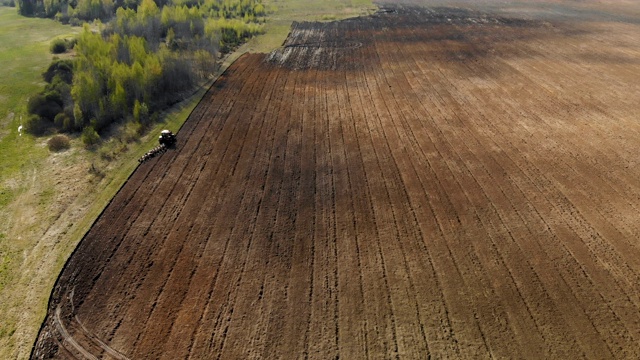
pixel 386 112
pixel 323 323
pixel 411 236
pixel 438 327
pixel 267 333
pixel 294 331
pixel 407 114
pixel 165 215
pixel 351 335
pixel 209 227
pixel 128 196
pixel 225 263
pixel 408 313
pixel 235 326
pixel 460 266
pixel 463 262
pixel 217 232
pixel 307 202
pixel 184 163
pixel 226 152
pixel 552 282
pixel 373 274
pixel 177 284
pixel 590 266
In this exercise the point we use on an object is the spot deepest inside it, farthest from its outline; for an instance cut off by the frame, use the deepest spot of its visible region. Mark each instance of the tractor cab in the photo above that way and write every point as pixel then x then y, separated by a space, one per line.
pixel 167 138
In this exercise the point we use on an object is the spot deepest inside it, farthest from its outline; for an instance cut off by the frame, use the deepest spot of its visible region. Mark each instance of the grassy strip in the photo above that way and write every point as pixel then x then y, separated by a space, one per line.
pixel 24 54
pixel 24 45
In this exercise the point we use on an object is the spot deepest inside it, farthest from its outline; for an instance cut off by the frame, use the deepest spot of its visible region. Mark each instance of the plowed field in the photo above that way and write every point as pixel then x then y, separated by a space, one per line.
pixel 425 181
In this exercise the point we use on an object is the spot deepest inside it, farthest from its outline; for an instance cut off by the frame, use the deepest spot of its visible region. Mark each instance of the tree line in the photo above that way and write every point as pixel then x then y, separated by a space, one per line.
pixel 144 59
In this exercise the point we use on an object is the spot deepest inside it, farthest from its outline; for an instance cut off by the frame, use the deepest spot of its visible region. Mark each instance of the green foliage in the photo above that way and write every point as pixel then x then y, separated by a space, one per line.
pixel 113 74
pixel 61 68
pixel 90 10
pixel 58 143
pixel 232 32
pixel 27 7
pixel 58 46
pixel 46 105
pixel 143 17
pixel 53 106
pixel 142 61
pixel 36 125
pixel 90 136
pixel 132 131
pixel 140 112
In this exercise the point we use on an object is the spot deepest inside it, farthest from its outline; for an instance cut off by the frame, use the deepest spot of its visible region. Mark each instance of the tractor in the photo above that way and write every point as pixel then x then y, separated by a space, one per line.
pixel 167 138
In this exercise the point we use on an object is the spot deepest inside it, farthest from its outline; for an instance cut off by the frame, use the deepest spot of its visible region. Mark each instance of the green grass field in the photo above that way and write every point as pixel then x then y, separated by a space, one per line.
pixel 49 200
pixel 24 54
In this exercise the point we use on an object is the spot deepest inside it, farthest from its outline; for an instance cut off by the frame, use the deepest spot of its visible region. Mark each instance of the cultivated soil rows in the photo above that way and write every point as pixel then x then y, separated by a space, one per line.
pixel 421 182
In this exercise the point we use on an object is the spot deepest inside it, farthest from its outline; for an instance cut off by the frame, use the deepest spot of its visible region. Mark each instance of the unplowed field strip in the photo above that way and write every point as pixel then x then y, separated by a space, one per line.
pixel 423 182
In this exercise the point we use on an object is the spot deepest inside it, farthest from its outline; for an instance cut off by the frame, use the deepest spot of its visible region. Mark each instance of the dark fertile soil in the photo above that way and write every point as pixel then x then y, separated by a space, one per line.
pixel 428 181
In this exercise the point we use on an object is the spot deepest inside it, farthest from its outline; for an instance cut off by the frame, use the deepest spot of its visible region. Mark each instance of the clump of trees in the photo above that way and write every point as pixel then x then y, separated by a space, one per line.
pixel 141 61
pixel 54 105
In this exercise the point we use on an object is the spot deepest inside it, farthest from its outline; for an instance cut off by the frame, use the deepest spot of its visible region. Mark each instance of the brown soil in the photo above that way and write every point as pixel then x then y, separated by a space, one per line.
pixel 426 181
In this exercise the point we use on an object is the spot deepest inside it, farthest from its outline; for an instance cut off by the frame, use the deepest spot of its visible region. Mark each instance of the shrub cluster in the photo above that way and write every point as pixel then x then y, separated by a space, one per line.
pixel 58 143
pixel 59 46
pixel 90 137
pixel 53 107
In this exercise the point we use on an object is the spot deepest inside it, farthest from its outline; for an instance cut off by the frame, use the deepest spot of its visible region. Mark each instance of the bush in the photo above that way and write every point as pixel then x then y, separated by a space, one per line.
pixel 58 143
pixel 45 105
pixel 58 46
pixel 64 122
pixel 36 125
pixel 74 21
pixel 131 132
pixel 90 137
pixel 63 18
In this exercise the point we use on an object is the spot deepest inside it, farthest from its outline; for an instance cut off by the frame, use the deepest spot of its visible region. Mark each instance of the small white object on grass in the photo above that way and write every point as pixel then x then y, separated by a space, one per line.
pixel 20 130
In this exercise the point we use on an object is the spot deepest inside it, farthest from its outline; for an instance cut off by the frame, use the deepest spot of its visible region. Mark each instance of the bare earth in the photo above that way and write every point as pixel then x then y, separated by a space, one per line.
pixel 447 182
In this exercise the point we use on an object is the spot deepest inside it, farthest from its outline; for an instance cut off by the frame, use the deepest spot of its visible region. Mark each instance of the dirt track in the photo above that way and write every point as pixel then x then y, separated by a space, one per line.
pixel 422 182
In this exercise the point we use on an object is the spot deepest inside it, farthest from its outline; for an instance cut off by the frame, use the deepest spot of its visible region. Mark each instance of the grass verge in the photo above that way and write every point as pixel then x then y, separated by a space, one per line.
pixel 24 195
